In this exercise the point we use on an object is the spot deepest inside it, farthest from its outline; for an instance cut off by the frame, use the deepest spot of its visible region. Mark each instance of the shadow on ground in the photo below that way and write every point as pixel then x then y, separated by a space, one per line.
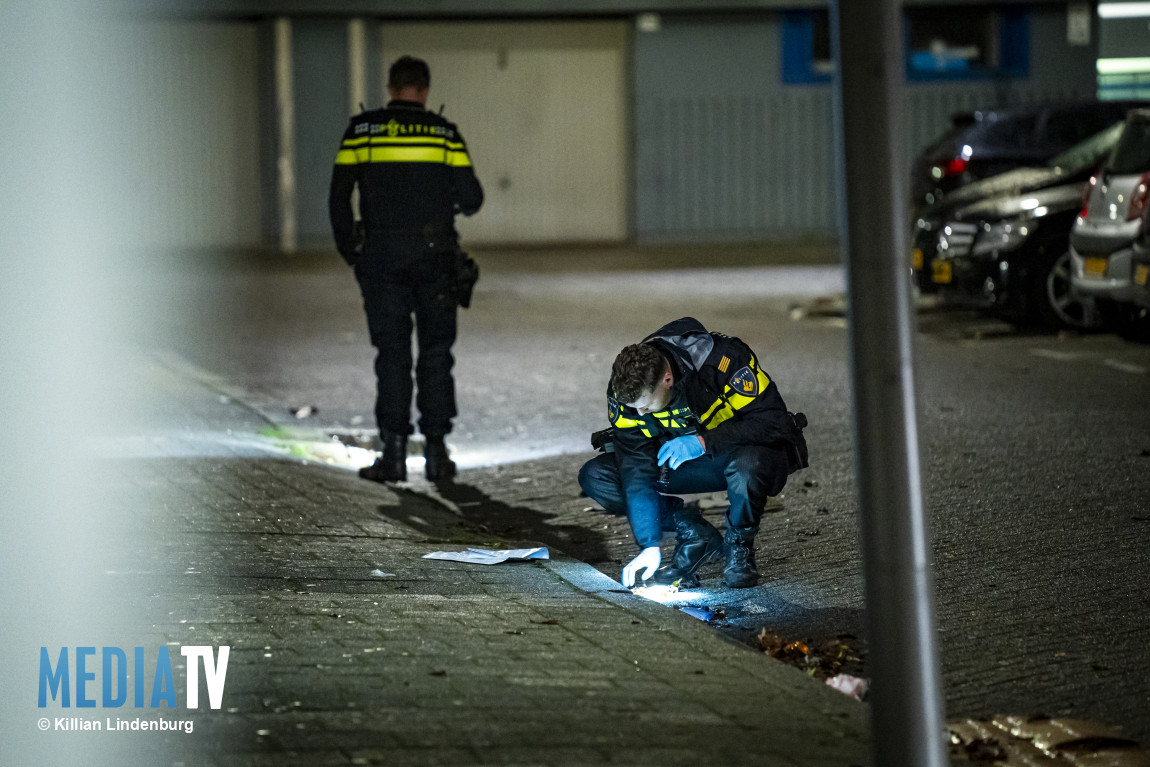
pixel 463 513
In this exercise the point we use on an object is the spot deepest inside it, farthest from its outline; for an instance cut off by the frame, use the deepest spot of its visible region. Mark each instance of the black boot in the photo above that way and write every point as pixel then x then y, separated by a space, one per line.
pixel 739 571
pixel 697 543
pixel 392 465
pixel 438 467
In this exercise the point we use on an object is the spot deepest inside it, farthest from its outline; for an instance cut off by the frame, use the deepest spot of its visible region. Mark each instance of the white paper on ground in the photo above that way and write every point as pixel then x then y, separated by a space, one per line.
pixel 852 685
pixel 490 557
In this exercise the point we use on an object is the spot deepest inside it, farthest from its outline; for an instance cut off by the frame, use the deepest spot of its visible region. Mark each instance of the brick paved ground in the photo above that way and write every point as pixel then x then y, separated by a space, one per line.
pixel 349 648
pixel 440 662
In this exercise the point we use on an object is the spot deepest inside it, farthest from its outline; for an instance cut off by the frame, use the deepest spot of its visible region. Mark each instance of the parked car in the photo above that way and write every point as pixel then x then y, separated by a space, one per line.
pixel 987 143
pixel 1114 203
pixel 1003 242
pixel 1138 325
pixel 1011 255
pixel 1140 275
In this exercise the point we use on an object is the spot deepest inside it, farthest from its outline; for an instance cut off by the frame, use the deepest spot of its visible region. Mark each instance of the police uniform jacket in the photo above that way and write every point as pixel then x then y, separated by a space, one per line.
pixel 720 392
pixel 413 173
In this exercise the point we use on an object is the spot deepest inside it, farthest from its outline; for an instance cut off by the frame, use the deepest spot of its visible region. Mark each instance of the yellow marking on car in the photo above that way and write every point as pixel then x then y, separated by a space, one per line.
pixel 941 272
pixel 1094 267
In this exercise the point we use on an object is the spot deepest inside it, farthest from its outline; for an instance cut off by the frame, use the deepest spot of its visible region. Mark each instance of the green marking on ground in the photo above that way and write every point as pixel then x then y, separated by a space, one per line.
pixel 275 432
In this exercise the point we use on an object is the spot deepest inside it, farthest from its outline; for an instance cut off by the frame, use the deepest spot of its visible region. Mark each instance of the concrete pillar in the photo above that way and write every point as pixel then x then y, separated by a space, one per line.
pixel 285 159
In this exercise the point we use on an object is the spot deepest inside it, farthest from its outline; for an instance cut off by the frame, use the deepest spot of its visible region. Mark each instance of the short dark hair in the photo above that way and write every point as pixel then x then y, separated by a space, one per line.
pixel 408 71
pixel 637 370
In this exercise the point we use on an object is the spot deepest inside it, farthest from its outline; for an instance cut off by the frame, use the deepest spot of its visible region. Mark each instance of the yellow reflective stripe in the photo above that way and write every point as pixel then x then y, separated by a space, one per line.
pixel 626 423
pixel 739 401
pixel 722 409
pixel 458 159
pixel 417 148
pixel 407 154
pixel 403 149
pixel 720 416
pixel 764 382
pixel 646 434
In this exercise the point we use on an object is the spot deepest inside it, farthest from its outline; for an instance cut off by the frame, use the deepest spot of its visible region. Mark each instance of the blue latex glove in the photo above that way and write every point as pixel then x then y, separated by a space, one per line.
pixel 648 561
pixel 680 450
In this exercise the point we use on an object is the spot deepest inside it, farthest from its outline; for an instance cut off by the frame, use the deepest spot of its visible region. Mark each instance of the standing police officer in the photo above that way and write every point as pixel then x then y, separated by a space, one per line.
pixel 414 174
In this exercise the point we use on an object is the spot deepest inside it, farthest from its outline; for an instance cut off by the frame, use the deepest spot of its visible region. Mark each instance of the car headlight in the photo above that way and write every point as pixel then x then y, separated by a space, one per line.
pixel 1002 236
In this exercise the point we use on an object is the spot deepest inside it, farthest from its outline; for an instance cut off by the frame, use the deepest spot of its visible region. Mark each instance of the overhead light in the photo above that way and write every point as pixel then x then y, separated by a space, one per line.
pixel 649 22
pixel 1123 66
pixel 1123 10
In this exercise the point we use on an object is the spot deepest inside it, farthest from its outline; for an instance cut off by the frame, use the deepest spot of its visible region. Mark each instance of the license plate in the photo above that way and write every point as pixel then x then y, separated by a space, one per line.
pixel 916 258
pixel 941 272
pixel 1094 267
pixel 1141 274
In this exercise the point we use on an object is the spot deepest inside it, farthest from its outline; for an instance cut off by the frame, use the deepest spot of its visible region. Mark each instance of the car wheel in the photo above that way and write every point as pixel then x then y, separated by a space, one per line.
pixel 1053 301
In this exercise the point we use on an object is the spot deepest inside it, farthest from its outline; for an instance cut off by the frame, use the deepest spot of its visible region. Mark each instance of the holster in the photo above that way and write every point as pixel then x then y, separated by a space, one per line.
pixel 466 275
pixel 440 238
pixel 604 441
pixel 797 446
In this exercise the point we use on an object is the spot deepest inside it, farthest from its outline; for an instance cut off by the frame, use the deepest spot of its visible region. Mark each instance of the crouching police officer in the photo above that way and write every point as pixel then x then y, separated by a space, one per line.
pixel 698 408
pixel 414 174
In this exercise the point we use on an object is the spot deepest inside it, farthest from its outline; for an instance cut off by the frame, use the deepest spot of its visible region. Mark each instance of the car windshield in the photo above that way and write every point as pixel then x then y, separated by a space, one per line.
pixel 1087 154
pixel 1013 131
pixel 1132 155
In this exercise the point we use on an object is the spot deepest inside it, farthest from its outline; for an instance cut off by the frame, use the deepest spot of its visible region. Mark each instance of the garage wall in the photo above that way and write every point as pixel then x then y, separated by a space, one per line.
pixel 722 150
pixel 726 151
pixel 542 106
pixel 199 133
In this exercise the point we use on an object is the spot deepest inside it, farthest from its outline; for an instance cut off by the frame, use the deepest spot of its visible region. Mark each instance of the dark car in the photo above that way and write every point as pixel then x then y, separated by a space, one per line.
pixel 990 142
pixel 1012 255
pixel 1007 247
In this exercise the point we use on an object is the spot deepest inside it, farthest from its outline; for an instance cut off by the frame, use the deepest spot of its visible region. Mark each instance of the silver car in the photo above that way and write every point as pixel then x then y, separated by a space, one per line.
pixel 1102 239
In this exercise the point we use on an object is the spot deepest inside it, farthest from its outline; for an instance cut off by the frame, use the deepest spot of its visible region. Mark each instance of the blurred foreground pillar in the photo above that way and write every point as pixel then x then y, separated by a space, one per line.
pixel 906 711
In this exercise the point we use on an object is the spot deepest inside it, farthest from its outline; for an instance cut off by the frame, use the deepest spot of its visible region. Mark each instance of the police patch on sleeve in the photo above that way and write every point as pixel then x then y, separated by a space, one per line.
pixel 745 382
pixel 612 409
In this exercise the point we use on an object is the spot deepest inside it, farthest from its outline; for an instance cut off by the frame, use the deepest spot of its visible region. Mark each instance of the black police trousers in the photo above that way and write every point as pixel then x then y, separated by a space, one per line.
pixel 397 284
pixel 749 473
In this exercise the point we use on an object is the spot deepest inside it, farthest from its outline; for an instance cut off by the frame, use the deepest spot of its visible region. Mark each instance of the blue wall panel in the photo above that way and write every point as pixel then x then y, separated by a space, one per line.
pixel 723 150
